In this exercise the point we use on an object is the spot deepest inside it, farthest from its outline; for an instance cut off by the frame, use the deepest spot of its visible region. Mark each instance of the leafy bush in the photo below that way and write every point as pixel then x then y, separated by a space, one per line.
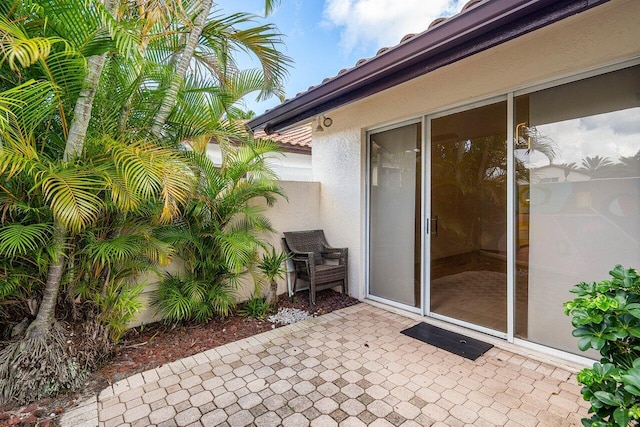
pixel 257 308
pixel 271 265
pixel 220 232
pixel 606 317
pixel 189 298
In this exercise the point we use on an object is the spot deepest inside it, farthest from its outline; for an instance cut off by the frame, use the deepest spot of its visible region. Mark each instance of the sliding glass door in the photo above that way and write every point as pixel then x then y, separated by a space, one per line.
pixel 570 200
pixel 577 196
pixel 394 215
pixel 467 233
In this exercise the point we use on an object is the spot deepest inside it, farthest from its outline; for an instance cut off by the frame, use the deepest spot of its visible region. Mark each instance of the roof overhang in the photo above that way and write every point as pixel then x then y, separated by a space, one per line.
pixel 481 27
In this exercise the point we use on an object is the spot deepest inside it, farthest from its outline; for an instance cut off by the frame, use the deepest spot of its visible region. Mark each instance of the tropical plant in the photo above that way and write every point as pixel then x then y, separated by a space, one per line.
pixel 606 317
pixel 255 307
pixel 271 265
pixel 91 167
pixel 220 232
pixel 596 166
pixel 470 174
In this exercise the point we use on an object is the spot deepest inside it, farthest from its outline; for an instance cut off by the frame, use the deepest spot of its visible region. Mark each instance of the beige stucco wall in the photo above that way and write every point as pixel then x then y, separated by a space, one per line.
pixel 605 35
pixel 337 167
pixel 287 166
pixel 300 211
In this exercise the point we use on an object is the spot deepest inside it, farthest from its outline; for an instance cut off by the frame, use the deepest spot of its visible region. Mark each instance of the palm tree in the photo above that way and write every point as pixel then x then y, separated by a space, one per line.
pixel 629 166
pixel 272 267
pixel 77 93
pixel 219 235
pixel 596 166
pixel 568 168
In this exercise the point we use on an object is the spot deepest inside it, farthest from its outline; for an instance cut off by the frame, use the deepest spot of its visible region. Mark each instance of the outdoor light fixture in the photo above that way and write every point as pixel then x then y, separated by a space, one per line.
pixel 323 121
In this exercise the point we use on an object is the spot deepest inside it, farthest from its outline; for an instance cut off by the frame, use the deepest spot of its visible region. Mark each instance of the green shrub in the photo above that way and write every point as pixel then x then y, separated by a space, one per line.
pixel 188 298
pixel 257 308
pixel 606 317
pixel 271 265
pixel 220 233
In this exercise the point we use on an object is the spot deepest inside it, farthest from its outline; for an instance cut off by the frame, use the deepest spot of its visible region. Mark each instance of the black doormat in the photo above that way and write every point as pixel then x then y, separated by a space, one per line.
pixel 446 340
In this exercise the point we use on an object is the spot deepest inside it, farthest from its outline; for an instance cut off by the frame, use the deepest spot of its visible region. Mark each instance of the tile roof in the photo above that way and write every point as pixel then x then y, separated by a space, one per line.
pixel 470 4
pixel 480 25
pixel 296 140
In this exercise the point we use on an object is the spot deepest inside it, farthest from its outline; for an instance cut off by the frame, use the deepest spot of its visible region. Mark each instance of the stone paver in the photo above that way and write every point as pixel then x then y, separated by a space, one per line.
pixel 351 367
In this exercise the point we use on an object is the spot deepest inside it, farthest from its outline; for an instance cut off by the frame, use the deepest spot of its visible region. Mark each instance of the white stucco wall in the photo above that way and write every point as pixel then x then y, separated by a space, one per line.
pixel 605 35
pixel 337 166
pixel 287 166
pixel 300 212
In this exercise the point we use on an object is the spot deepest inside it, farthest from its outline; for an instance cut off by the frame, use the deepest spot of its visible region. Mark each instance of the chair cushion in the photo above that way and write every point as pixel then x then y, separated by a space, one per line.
pixel 327 273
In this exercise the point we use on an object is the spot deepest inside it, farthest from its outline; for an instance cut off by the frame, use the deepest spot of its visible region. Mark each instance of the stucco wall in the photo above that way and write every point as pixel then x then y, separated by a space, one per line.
pixel 287 166
pixel 300 212
pixel 602 36
pixel 337 166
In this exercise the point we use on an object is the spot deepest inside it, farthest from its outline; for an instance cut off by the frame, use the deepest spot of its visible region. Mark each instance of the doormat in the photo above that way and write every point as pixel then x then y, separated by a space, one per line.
pixel 450 341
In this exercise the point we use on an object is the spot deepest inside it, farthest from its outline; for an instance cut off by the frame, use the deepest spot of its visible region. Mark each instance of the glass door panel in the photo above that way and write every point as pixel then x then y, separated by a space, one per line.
pixel 395 220
pixel 468 224
pixel 577 158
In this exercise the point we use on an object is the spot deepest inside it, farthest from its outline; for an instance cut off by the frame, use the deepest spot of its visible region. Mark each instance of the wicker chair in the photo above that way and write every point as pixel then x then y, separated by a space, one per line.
pixel 309 250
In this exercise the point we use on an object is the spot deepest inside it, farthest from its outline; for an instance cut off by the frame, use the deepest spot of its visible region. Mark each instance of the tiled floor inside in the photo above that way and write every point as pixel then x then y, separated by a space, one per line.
pixel 352 368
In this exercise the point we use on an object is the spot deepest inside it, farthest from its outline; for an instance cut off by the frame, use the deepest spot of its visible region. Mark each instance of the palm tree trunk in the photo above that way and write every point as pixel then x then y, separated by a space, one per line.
pixel 84 104
pixel 171 96
pixel 40 327
pixel 272 296
pixel 74 146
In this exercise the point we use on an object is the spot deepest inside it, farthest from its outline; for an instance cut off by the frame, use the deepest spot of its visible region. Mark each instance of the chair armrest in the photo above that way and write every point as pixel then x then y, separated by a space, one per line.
pixel 335 253
pixel 304 257
pixel 332 254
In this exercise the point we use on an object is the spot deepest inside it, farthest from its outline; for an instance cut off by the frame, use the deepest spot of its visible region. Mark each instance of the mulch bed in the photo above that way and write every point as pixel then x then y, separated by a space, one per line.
pixel 153 345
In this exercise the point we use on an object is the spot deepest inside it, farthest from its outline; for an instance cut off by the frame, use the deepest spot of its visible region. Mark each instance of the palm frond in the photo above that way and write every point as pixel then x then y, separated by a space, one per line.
pixel 73 194
pixel 24 107
pixel 222 37
pixel 153 171
pixel 21 50
pixel 118 249
pixel 239 249
pixel 19 239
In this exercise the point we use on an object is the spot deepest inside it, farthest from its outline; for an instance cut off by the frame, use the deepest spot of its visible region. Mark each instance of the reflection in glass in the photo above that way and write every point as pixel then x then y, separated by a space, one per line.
pixel 578 196
pixel 395 203
pixel 468 216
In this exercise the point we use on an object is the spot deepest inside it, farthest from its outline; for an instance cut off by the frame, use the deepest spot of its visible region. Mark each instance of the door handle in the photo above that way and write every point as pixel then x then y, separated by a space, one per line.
pixel 432 226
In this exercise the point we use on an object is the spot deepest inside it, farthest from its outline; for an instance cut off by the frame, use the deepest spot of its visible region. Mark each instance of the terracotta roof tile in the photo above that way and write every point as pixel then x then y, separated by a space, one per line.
pixel 469 5
pixel 294 140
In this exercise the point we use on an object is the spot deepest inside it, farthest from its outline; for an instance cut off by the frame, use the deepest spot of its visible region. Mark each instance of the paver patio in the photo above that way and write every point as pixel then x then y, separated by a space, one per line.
pixel 351 367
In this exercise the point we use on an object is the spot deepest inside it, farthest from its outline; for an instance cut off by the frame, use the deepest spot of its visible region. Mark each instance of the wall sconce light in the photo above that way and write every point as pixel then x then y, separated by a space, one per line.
pixel 323 121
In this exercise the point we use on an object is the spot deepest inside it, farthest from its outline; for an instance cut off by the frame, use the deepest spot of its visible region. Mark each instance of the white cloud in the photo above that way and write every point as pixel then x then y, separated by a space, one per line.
pixel 577 138
pixel 372 24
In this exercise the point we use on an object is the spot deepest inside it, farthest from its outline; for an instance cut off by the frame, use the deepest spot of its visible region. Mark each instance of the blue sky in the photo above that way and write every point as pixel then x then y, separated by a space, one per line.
pixel 324 36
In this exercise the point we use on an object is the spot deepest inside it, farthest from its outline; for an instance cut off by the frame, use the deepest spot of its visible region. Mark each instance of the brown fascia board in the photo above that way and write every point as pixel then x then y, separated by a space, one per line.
pixel 297 149
pixel 283 147
pixel 484 26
